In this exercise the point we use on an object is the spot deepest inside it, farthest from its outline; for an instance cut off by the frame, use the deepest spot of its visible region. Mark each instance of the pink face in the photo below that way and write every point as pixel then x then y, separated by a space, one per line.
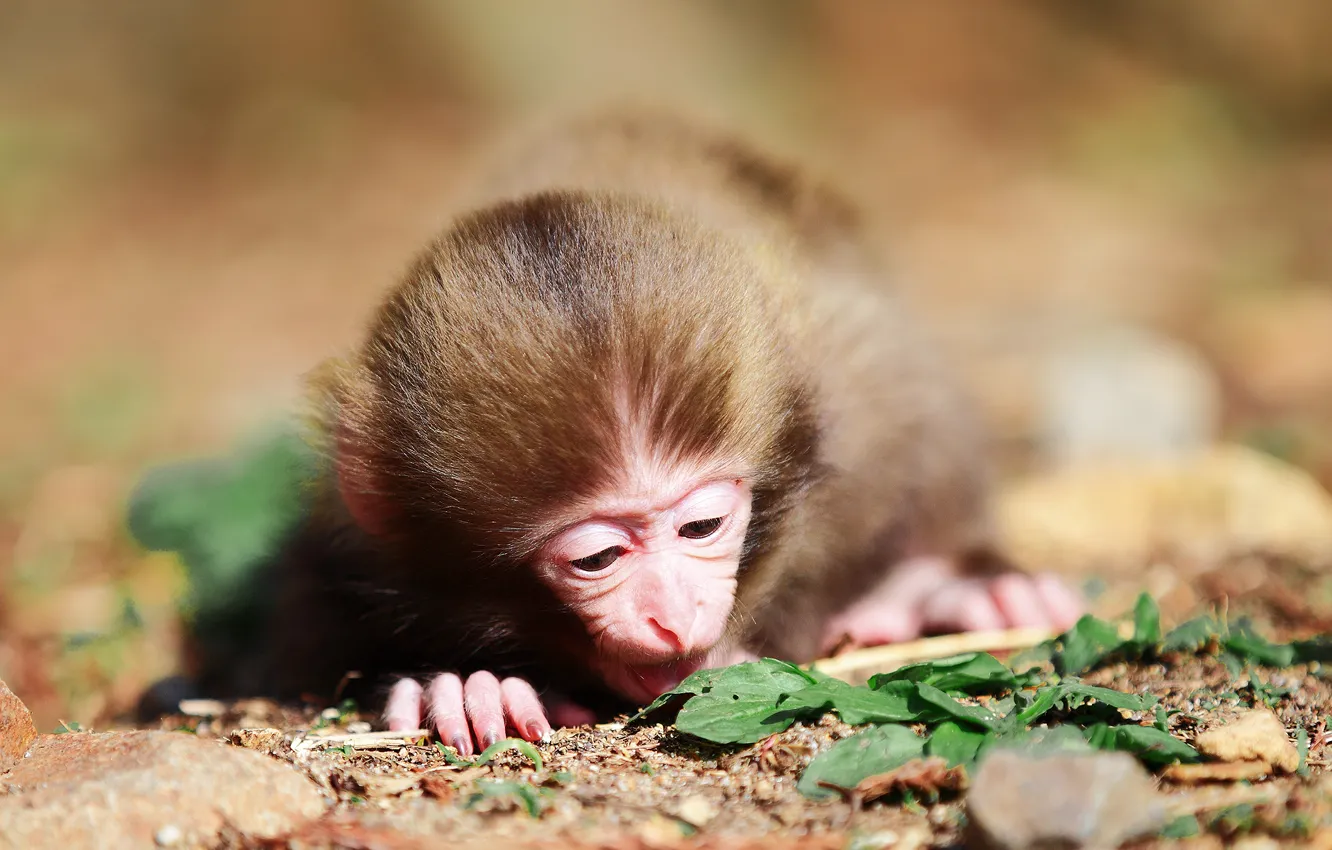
pixel 652 574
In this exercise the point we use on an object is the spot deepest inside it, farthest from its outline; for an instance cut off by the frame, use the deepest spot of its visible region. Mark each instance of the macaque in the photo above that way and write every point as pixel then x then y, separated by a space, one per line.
pixel 648 407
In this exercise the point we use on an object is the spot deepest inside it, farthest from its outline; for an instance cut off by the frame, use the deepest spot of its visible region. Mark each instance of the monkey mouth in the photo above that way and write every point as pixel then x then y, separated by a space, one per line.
pixel 646 682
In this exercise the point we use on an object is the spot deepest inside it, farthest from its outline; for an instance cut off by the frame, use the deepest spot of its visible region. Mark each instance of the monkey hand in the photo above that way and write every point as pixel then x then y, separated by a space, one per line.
pixel 926 595
pixel 472 714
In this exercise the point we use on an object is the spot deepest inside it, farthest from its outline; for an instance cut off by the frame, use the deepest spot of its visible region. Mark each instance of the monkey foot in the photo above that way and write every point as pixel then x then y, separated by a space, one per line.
pixel 473 714
pixel 926 596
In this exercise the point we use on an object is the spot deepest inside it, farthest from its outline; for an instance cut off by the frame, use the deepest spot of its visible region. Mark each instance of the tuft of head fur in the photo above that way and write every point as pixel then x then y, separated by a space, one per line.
pixel 542 343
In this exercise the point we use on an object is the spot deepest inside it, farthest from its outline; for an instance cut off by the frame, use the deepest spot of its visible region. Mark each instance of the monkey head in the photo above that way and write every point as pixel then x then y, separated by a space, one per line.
pixel 562 397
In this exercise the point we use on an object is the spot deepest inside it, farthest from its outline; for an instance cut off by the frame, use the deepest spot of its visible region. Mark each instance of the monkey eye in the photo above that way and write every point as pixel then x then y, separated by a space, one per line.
pixel 599 561
pixel 700 528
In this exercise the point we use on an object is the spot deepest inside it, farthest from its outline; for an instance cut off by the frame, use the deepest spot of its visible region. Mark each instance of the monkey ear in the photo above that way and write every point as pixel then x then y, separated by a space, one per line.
pixel 357 488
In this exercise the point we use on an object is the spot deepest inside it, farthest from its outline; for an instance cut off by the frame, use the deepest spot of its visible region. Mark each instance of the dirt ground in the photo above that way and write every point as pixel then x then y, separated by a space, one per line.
pixel 648 785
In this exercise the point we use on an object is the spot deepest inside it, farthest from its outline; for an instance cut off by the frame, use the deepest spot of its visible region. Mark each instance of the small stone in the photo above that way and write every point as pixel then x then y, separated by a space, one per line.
pixel 168 836
pixel 1119 393
pixel 696 811
pixel 130 789
pixel 1067 800
pixel 1227 500
pixel 16 730
pixel 202 708
pixel 659 831
pixel 1255 735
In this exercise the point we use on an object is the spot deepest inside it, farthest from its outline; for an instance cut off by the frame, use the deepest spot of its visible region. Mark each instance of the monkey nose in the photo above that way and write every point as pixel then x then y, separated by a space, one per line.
pixel 668 636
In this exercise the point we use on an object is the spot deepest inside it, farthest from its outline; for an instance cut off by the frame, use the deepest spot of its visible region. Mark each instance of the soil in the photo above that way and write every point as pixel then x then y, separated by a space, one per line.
pixel 647 785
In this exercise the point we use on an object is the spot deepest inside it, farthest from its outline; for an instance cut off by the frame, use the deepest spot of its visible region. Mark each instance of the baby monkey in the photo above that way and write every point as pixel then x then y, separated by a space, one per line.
pixel 648 408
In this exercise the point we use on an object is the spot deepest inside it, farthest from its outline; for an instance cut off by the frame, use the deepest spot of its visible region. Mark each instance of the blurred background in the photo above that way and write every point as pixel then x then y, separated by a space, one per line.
pixel 1117 215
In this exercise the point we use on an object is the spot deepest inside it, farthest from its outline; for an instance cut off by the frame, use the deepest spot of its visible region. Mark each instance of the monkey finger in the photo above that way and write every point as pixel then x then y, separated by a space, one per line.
pixel 873 623
pixel 402 713
pixel 1019 600
pixel 961 606
pixel 1063 604
pixel 523 708
pixel 444 699
pixel 485 707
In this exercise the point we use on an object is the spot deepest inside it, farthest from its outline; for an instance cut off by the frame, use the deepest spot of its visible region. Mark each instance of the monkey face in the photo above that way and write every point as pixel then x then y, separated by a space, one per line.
pixel 651 572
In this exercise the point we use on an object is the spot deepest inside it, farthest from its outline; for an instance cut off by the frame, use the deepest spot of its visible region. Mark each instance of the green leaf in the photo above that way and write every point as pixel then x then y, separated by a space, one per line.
pixel 1040 703
pixel 488 754
pixel 1161 719
pixel 1148 743
pixel 969 673
pixel 1043 741
pixel 811 676
pixel 875 751
pixel 1041 653
pixel 1086 644
pixel 1314 649
pixel 767 677
pixel 695 683
pixel 532 799
pixel 524 747
pixel 1076 692
pixel 1233 663
pixel 1193 635
pixel 226 516
pixel 956 744
pixel 975 714
pixel 732 718
pixel 1252 648
pixel 1184 826
pixel 1146 622
pixel 896 703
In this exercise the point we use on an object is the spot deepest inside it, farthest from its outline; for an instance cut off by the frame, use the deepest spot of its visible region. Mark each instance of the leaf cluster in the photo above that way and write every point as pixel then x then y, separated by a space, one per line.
pixel 1093 642
pixel 960 708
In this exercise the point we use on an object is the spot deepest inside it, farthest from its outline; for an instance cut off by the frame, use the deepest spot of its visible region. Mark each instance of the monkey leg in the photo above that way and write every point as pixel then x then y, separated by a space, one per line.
pixel 477 710
pixel 930 595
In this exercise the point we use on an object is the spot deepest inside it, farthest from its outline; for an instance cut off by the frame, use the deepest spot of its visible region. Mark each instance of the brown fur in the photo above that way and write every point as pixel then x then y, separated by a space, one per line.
pixel 640 270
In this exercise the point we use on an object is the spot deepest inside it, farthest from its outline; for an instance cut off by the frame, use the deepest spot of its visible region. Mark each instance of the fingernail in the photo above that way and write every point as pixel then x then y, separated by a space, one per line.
pixel 460 744
pixel 537 732
pixel 489 739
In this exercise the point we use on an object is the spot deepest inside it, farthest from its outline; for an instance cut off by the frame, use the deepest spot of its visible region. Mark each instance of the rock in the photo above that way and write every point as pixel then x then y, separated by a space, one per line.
pixel 16 730
pixel 1095 800
pixel 1115 517
pixel 1123 393
pixel 137 789
pixel 696 811
pixel 1255 735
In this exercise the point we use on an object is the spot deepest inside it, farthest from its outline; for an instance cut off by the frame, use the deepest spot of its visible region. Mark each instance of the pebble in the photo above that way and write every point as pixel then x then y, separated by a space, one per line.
pixel 696 811
pixel 1255 735
pixel 1123 392
pixel 140 789
pixel 16 730
pixel 1067 800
